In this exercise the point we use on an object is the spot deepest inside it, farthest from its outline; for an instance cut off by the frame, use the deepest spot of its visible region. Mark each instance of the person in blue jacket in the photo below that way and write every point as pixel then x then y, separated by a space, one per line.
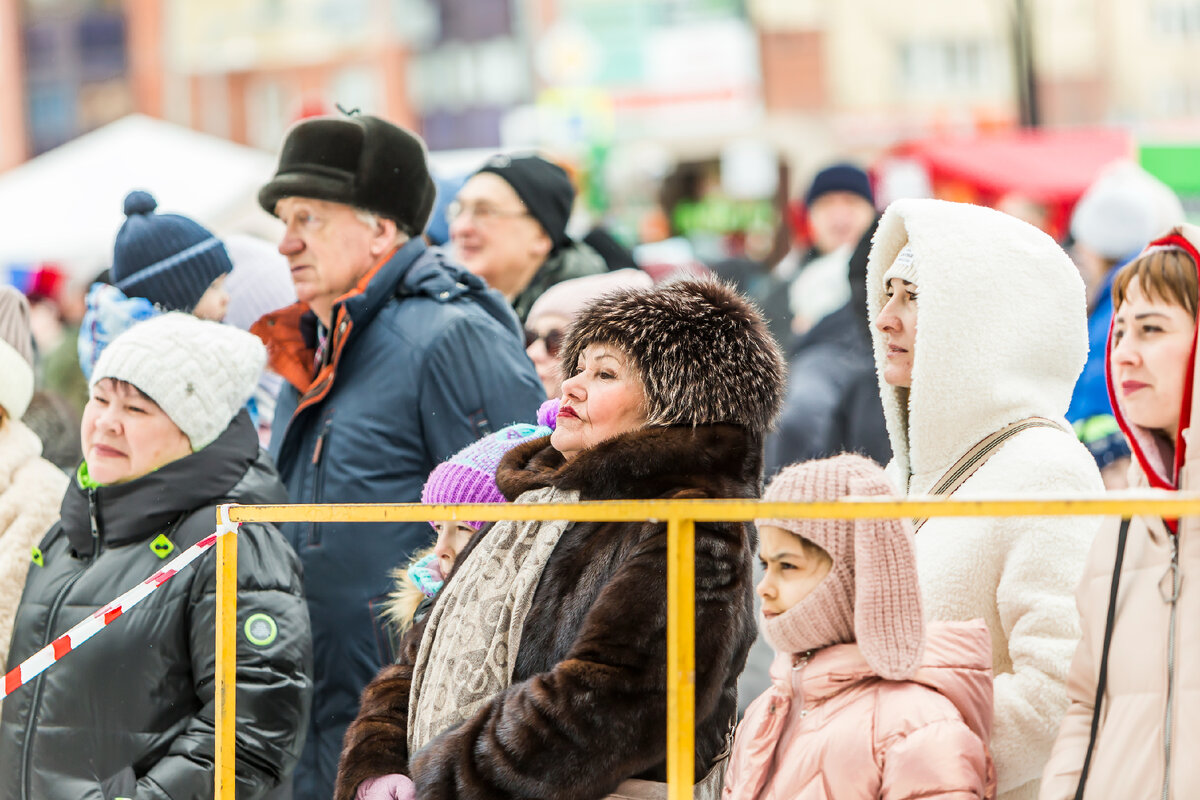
pixel 395 358
pixel 1118 214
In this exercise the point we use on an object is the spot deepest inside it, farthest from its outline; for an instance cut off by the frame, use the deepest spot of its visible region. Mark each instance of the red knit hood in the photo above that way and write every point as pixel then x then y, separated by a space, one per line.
pixel 1159 463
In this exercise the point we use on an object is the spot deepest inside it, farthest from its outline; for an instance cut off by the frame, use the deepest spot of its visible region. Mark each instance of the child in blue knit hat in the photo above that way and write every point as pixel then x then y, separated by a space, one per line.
pixel 469 476
pixel 161 262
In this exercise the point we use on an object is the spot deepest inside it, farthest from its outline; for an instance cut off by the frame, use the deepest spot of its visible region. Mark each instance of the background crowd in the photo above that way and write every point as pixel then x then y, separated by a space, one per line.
pixel 409 340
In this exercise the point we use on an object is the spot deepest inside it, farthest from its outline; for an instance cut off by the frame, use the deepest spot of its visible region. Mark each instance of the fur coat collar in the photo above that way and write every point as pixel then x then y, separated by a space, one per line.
pixel 1001 332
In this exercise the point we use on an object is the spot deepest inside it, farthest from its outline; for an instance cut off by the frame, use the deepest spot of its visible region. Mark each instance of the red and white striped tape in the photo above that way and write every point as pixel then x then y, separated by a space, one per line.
pixel 43 659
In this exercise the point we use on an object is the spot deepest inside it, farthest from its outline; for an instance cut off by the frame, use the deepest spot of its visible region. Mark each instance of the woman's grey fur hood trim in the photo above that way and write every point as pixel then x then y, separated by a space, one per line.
pixel 702 350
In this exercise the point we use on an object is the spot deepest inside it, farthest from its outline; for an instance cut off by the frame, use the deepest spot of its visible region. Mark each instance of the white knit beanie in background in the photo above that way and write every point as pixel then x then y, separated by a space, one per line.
pixel 200 373
pixel 904 267
pixel 1123 209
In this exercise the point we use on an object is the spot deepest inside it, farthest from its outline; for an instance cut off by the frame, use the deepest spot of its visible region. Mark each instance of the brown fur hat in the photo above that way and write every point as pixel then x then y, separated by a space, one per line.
pixel 702 350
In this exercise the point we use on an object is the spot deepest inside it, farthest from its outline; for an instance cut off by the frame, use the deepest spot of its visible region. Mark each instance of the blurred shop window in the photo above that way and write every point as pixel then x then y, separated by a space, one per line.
pixel 457 76
pixel 357 87
pixel 948 66
pixel 41 47
pixel 100 39
pixel 1177 18
pixel 347 17
pixel 416 22
pixel 270 109
pixel 472 127
pixel 471 21
pixel 1178 98
pixel 51 115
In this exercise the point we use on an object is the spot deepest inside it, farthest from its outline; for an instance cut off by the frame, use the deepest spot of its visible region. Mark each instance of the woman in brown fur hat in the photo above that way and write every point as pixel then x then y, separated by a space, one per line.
pixel 541 669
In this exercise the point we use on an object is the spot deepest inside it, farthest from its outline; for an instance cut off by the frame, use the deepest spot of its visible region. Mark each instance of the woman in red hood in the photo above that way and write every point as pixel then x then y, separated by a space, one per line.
pixel 1145 736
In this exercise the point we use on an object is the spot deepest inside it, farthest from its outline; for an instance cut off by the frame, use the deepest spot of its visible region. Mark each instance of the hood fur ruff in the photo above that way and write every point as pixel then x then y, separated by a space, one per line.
pixel 1001 331
pixel 703 352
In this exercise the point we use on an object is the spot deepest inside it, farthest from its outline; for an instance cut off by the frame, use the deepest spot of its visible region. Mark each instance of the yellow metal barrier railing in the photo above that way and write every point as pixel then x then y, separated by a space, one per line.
pixel 680 516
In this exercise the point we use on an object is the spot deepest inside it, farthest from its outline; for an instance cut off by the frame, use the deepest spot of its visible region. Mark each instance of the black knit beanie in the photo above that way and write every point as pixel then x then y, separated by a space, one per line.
pixel 168 259
pixel 840 178
pixel 543 187
pixel 358 160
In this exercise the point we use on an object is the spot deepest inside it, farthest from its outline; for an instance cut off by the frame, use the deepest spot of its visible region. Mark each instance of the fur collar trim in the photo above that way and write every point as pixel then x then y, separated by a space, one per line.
pixel 707 460
pixel 1001 334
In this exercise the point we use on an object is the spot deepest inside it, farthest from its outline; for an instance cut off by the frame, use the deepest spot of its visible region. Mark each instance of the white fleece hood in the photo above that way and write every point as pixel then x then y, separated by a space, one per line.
pixel 1001 329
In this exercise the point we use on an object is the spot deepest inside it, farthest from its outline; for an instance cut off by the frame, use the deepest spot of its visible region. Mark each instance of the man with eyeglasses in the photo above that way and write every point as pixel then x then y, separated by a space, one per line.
pixel 395 358
pixel 508 225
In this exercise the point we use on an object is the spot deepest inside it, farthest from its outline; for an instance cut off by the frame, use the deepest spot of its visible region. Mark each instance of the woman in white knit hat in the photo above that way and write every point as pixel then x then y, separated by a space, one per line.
pixel 31 488
pixel 979 334
pixel 130 714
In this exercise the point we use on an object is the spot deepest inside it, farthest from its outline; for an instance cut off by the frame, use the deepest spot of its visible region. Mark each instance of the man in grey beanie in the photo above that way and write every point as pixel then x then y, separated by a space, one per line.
pixel 394 359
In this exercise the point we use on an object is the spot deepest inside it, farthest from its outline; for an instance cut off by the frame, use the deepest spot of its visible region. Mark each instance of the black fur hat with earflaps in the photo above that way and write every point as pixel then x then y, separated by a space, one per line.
pixel 702 350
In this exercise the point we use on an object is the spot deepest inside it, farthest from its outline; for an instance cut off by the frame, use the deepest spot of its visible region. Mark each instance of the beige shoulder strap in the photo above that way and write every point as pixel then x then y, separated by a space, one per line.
pixel 974 458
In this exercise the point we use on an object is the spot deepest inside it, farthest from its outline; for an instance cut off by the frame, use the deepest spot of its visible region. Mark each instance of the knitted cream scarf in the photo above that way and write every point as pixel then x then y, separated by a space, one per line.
pixel 469 648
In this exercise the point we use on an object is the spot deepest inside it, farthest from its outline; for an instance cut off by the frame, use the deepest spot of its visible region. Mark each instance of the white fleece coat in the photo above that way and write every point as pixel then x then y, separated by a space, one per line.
pixel 1001 336
pixel 31 491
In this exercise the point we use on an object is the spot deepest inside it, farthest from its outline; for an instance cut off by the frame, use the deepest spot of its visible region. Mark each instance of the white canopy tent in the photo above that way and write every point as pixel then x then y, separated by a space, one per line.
pixel 65 206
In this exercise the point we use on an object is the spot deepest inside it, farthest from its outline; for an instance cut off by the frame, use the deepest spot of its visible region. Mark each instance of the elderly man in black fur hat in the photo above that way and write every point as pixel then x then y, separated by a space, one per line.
pixel 395 358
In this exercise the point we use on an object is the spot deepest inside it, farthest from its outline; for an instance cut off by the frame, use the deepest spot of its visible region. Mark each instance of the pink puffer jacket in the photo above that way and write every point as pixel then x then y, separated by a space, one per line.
pixel 831 729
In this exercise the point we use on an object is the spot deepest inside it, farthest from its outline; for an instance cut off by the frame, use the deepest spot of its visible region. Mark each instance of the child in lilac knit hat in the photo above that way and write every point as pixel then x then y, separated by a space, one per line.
pixel 469 476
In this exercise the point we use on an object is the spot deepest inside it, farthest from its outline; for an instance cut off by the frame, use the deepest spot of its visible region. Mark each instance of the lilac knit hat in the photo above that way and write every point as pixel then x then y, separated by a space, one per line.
pixel 871 594
pixel 469 476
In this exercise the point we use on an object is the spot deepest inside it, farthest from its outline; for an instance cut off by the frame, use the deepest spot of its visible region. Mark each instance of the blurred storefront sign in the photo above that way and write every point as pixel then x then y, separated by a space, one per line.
pixel 633 69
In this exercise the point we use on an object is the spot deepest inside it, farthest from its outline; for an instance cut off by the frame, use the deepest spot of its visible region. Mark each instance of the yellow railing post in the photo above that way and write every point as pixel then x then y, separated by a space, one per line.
pixel 681 656
pixel 226 663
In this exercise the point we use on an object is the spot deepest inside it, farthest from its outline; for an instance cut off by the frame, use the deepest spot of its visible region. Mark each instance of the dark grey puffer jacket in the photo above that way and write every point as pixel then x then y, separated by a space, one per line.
pixel 130 713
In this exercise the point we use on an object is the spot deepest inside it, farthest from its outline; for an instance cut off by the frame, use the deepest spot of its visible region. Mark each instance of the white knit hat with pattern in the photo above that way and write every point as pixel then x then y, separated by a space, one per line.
pixel 200 373
pixel 16 353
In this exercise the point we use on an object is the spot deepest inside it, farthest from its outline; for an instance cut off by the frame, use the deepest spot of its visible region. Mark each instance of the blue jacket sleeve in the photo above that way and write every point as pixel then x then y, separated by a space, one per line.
pixel 476 379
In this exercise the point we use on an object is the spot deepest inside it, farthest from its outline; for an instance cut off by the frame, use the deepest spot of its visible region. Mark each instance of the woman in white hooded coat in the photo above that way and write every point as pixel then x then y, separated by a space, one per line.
pixel 1002 339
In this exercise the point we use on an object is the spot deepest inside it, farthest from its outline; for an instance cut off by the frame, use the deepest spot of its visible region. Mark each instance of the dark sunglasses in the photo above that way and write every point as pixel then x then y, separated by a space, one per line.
pixel 553 340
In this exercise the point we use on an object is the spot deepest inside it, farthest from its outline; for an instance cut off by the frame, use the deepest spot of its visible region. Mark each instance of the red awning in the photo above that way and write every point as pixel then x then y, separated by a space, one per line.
pixel 1049 166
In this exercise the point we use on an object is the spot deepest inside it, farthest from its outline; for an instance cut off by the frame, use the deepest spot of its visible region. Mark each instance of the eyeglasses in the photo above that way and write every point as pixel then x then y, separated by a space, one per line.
pixel 482 213
pixel 553 339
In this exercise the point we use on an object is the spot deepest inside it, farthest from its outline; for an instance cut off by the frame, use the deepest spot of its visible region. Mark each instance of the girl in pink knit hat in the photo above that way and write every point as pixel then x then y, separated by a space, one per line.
pixel 867 700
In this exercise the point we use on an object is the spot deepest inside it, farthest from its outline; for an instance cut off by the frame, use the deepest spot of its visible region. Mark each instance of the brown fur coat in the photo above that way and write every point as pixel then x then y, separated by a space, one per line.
pixel 587 707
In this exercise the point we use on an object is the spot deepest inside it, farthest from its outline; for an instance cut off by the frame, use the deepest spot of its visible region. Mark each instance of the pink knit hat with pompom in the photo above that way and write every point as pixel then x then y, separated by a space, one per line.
pixel 871 594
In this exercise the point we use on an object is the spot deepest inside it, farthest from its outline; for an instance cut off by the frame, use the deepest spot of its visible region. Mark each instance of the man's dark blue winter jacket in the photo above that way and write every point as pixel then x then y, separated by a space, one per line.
pixel 425 360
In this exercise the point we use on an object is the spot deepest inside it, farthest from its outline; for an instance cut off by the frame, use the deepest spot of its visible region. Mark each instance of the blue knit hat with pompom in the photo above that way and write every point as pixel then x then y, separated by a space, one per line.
pixel 168 259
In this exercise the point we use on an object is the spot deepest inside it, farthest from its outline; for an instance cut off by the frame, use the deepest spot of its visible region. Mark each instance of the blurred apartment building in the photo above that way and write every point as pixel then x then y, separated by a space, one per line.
pixel 861 74
pixel 814 77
